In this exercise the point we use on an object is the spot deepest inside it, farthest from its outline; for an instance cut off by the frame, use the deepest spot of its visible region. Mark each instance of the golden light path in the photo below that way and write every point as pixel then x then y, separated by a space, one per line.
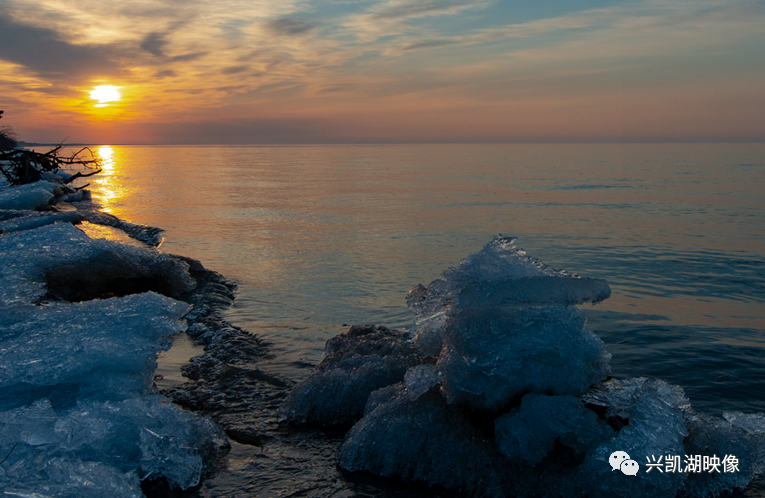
pixel 105 154
pixel 107 190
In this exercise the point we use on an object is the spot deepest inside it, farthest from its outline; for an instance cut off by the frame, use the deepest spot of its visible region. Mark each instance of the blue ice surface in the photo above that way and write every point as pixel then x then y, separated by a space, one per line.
pixel 28 257
pixel 78 412
pixel 519 362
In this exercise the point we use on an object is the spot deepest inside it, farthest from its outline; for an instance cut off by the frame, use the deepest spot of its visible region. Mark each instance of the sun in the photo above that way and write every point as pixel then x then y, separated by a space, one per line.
pixel 105 94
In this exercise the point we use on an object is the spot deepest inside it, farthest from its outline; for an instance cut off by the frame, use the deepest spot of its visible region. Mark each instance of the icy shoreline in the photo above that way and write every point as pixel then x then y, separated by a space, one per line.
pixel 82 321
pixel 503 391
pixel 422 410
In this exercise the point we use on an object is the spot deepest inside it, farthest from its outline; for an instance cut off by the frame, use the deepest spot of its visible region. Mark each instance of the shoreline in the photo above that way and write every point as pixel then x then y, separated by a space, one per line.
pixel 227 383
pixel 116 305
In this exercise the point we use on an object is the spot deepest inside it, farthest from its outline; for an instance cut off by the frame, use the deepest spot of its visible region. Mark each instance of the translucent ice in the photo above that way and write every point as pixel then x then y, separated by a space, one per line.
pixel 534 290
pixel 656 427
pixel 76 360
pixel 420 379
pixel 36 219
pixel 517 403
pixel 149 235
pixel 103 347
pixel 355 364
pixel 422 440
pixel 501 274
pixel 498 276
pixel 737 435
pixel 491 356
pixel 531 431
pixel 30 196
pixel 65 262
pixel 118 443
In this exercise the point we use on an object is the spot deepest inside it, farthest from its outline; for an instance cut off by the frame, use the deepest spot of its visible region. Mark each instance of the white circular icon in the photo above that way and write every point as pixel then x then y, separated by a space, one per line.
pixel 616 459
pixel 629 467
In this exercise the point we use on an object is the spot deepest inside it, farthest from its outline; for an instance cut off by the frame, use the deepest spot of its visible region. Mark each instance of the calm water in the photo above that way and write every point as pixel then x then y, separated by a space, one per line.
pixel 322 236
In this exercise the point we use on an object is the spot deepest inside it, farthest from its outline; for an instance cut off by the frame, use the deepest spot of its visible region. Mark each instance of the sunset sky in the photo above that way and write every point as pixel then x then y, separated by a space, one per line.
pixel 347 71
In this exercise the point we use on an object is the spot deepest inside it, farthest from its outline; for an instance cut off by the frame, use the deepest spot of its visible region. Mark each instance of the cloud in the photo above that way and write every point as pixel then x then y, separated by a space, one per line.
pixel 155 44
pixel 166 73
pixel 428 44
pixel 42 51
pixel 290 26
pixel 188 57
pixel 397 9
pixel 239 57
pixel 234 69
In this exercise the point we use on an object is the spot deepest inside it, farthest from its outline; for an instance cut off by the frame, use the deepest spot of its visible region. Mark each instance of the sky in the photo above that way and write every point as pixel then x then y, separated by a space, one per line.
pixel 382 71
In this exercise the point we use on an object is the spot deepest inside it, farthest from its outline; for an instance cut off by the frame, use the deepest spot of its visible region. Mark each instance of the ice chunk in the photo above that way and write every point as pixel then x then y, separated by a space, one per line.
pixel 497 276
pixel 736 436
pixel 148 436
pixel 67 349
pixel 491 272
pixel 36 219
pixel 531 431
pixel 30 196
pixel 65 262
pixel 429 335
pixel 146 234
pixel 491 356
pixel 355 364
pixel 423 440
pixel 534 290
pixel 656 427
pixel 66 478
pixel 421 379
pixel 620 397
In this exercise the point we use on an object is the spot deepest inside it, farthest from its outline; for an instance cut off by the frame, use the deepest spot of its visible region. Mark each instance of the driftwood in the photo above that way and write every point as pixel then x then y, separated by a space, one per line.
pixel 22 166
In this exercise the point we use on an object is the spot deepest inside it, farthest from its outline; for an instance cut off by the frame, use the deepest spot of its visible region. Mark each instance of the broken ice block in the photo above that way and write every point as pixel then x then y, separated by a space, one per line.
pixel 421 379
pixel 147 436
pixel 531 431
pixel 68 265
pixel 355 364
pixel 103 347
pixel 491 356
pixel 656 427
pixel 30 196
pixel 423 440
pixel 486 278
pixel 534 290
pixel 498 276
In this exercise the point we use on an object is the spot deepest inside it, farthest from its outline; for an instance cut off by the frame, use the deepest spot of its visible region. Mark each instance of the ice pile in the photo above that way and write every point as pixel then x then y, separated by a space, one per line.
pixel 104 448
pixel 74 379
pixel 26 197
pixel 81 323
pixel 355 364
pixel 511 396
pixel 99 349
pixel 60 262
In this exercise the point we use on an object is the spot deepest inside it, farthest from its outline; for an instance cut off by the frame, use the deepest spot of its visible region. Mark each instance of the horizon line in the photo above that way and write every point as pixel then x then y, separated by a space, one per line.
pixel 23 143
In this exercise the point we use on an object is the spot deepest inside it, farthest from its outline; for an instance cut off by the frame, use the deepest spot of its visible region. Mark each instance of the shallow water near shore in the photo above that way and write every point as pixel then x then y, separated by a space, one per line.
pixel 322 236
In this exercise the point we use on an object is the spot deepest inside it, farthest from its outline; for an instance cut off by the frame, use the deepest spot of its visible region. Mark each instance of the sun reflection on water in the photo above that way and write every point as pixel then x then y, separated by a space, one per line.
pixel 105 155
pixel 107 190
